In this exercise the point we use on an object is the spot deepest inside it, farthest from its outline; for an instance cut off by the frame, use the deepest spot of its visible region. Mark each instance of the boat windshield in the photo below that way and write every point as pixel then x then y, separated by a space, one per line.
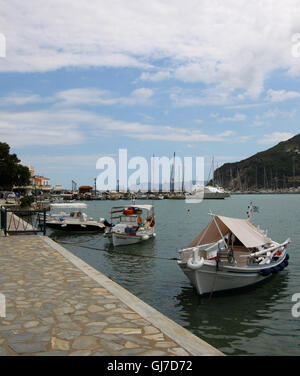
pixel 128 218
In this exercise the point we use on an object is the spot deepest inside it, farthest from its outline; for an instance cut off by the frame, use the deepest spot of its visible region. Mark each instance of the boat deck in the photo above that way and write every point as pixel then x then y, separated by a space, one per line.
pixel 238 253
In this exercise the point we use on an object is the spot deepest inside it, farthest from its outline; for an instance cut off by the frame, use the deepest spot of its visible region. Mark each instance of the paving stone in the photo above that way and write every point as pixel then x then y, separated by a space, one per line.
pixel 85 342
pixel 81 353
pixel 24 337
pixel 2 351
pixel 95 308
pixel 30 324
pixel 59 344
pixel 23 348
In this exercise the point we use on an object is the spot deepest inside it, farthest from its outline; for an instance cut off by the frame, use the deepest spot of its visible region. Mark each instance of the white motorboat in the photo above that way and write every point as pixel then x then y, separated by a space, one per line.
pixel 135 224
pixel 215 192
pixel 231 253
pixel 72 217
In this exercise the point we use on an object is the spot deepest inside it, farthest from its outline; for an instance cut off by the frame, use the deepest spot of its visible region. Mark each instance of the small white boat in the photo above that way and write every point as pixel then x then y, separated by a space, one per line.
pixel 72 217
pixel 231 253
pixel 133 226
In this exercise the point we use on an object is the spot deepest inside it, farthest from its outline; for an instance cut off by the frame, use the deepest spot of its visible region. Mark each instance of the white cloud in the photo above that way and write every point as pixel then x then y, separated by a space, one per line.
pixel 92 97
pixel 155 77
pixel 61 162
pixel 234 44
pixel 214 96
pixel 275 137
pixel 281 95
pixel 69 126
pixel 37 128
pixel 236 118
pixel 19 99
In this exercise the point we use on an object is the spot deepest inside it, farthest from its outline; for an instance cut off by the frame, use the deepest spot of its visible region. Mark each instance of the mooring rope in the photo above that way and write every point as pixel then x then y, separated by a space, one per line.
pixel 119 253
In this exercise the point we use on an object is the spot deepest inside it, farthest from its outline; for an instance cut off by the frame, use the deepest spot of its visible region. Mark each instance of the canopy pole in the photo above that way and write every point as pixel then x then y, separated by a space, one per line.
pixel 219 230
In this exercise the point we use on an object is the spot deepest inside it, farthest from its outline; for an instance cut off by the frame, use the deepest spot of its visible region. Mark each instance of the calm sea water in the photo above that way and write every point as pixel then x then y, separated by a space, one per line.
pixel 254 321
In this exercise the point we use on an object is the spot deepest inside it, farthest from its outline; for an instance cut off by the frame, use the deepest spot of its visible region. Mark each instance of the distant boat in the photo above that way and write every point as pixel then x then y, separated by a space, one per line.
pixel 215 192
pixel 207 192
pixel 72 217
pixel 231 253
pixel 131 227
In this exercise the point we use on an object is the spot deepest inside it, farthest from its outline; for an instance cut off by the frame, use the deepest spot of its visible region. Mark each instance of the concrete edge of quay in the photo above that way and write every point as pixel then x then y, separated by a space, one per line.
pixel 195 345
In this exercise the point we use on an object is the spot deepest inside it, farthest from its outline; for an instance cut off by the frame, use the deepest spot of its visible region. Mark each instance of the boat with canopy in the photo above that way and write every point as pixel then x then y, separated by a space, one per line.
pixel 231 253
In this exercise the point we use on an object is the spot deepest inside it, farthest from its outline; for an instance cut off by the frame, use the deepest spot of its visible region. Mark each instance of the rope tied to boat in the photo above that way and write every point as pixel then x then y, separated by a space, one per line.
pixel 119 253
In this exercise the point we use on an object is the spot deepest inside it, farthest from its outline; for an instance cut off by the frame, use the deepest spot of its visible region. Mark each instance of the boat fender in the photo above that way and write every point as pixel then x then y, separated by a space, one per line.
pixel 281 266
pixel 145 237
pixel 285 263
pixel 195 264
pixel 287 257
pixel 275 269
pixel 265 272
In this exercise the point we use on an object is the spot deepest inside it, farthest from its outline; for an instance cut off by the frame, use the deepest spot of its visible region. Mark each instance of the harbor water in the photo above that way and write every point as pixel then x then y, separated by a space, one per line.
pixel 253 321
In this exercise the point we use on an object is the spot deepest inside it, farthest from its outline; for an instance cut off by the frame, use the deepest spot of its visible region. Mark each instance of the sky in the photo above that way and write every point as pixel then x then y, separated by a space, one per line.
pixel 80 80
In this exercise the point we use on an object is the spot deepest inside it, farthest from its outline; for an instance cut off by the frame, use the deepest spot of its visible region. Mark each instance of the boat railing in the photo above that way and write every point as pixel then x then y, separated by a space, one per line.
pixel 273 249
pixel 201 246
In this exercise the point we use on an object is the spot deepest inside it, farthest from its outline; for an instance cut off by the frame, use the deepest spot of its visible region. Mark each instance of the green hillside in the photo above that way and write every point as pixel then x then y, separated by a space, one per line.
pixel 275 168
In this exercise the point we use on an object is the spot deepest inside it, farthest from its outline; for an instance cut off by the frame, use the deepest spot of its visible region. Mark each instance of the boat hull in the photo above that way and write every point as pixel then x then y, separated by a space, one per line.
pixel 124 239
pixel 216 195
pixel 209 279
pixel 75 227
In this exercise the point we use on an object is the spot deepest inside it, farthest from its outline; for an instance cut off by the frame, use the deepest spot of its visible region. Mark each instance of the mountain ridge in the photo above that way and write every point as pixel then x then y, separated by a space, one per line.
pixel 276 168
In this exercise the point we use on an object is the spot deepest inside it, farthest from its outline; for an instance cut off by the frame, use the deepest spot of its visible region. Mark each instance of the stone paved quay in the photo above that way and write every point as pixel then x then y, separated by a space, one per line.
pixel 56 304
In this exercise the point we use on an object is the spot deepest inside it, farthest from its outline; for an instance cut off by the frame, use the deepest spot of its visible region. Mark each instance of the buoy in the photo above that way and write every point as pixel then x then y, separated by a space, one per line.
pixel 275 269
pixel 265 272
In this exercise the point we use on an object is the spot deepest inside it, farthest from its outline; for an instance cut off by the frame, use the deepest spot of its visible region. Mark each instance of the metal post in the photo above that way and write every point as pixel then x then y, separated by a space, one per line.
pixel 5 221
pixel 44 220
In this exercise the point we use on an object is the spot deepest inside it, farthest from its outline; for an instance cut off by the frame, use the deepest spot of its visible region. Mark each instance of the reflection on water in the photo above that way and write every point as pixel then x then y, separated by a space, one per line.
pixel 256 320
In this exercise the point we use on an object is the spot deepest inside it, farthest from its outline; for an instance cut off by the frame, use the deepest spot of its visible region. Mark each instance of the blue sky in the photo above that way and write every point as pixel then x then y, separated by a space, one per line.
pixel 200 78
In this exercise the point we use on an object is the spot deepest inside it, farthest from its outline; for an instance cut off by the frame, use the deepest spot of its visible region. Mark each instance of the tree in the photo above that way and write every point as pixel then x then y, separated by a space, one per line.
pixel 11 171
